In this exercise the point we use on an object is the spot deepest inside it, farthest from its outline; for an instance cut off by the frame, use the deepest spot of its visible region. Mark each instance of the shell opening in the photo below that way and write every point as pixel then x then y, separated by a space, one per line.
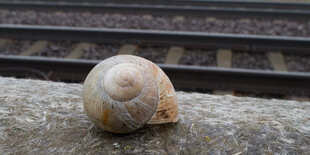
pixel 123 82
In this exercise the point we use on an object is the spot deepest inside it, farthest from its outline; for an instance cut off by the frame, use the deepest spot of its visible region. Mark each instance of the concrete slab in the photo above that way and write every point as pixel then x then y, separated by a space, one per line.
pixel 78 51
pixel 178 19
pixel 2 41
pixel 174 55
pixel 277 61
pixel 147 17
pixel 128 49
pixel 35 48
pixel 41 117
pixel 224 58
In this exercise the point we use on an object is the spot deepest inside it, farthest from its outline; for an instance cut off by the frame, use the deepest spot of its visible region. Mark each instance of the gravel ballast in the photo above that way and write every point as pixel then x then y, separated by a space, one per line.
pixel 277 27
pixel 59 49
pixel 100 51
pixel 250 60
pixel 199 57
pixel 299 63
pixel 155 54
pixel 15 46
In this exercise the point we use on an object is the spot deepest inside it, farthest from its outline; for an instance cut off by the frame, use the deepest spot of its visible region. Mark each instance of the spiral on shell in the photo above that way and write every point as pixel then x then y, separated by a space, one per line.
pixel 123 93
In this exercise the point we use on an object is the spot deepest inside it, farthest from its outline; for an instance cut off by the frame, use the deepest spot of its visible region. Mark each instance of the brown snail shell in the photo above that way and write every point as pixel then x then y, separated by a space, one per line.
pixel 123 93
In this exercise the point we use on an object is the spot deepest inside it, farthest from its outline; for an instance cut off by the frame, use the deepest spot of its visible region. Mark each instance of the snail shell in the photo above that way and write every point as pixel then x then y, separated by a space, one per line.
pixel 124 92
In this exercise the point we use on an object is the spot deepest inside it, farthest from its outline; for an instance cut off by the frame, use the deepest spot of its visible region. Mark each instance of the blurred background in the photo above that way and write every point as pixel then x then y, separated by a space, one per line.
pixel 249 48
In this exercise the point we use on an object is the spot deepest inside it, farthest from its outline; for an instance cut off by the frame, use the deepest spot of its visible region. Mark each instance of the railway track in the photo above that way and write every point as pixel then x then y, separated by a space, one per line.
pixel 183 77
pixel 268 53
pixel 160 9
pixel 294 45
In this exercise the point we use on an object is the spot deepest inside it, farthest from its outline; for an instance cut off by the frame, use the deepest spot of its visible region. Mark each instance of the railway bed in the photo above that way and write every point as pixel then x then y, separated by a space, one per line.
pixel 294 45
pixel 250 25
pixel 158 54
pixel 160 9
pixel 127 42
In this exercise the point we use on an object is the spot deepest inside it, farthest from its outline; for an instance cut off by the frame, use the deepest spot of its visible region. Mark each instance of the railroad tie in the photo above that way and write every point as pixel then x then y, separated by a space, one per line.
pixel 35 48
pixel 245 20
pixel 277 61
pixel 174 55
pixel 223 58
pixel 210 19
pixel 78 50
pixel 178 19
pixel 147 17
pixel 2 42
pixel 127 49
pixel 116 15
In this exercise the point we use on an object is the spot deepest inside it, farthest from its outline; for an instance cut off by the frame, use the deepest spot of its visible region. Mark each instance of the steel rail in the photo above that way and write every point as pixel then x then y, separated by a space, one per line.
pixel 159 9
pixel 183 77
pixel 204 3
pixel 221 3
pixel 296 45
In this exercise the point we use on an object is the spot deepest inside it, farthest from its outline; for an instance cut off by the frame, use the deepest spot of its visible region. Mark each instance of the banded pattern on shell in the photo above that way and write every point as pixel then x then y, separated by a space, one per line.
pixel 124 92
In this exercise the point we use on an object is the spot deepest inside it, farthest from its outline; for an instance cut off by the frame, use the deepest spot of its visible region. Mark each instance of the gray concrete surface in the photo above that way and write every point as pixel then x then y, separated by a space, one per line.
pixel 40 117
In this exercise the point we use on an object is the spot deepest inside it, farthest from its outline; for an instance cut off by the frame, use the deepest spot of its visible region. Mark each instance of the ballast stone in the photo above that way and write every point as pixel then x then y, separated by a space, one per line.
pixel 41 117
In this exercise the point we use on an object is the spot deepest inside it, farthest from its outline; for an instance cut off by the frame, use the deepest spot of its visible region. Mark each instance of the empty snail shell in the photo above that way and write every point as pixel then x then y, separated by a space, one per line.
pixel 123 93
